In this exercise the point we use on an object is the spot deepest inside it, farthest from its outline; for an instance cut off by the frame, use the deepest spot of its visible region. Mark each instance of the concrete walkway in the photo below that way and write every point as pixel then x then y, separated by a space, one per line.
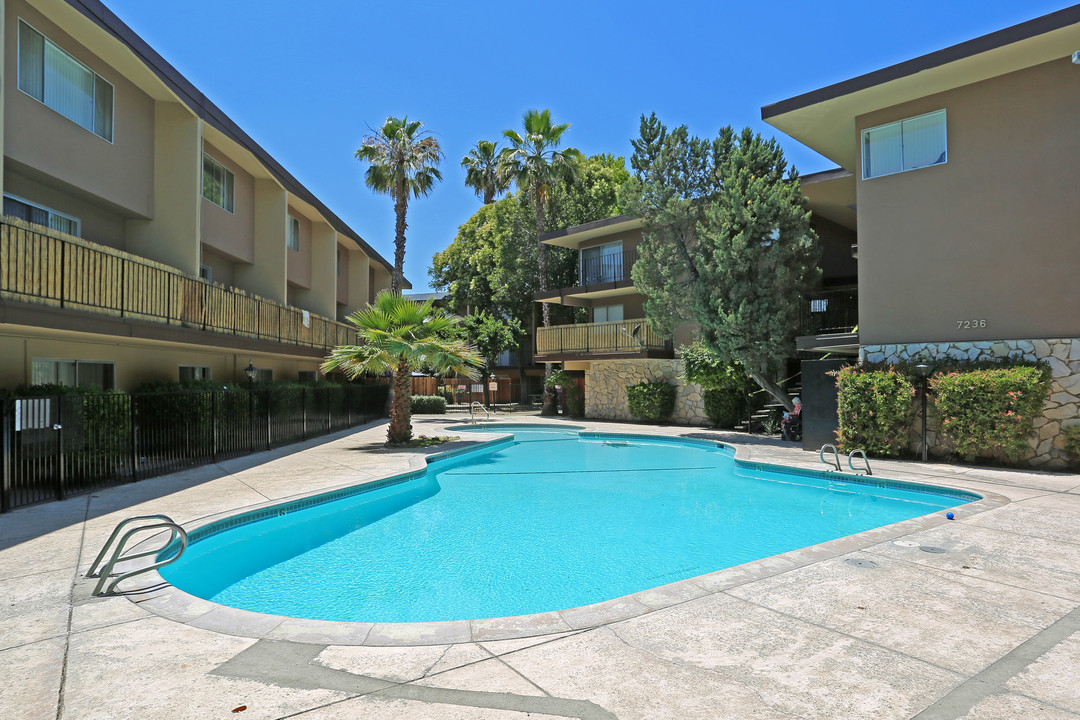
pixel 990 628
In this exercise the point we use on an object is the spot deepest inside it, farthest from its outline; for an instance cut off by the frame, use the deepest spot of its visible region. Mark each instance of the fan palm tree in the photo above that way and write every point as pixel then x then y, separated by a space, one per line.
pixel 535 163
pixel 485 172
pixel 402 335
pixel 403 161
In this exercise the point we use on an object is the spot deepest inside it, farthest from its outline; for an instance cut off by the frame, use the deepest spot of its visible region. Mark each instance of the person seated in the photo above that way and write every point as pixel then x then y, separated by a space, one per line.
pixel 791 424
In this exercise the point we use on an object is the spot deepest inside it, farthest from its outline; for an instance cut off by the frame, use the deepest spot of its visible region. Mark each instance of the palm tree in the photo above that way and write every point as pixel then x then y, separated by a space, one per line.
pixel 403 161
pixel 402 335
pixel 484 171
pixel 535 163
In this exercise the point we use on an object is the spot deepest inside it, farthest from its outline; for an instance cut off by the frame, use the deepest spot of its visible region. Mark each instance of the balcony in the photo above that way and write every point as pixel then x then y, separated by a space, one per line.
pixel 596 274
pixel 631 338
pixel 63 272
pixel 828 322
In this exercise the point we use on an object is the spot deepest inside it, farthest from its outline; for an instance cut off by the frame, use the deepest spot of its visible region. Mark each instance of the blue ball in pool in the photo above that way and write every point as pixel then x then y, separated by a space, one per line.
pixel 949 515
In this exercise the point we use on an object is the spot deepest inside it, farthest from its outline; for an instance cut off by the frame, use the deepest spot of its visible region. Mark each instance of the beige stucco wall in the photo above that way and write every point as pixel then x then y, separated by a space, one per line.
pixel 633 305
pixel 342 292
pixel 266 277
pixel 98 223
pixel 221 266
pixel 992 235
pixel 231 233
pixel 121 172
pixel 298 264
pixel 134 364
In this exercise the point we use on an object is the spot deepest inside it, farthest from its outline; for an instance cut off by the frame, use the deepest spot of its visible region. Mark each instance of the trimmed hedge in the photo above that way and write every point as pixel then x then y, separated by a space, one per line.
pixel 875 410
pixel 429 404
pixel 722 406
pixel 990 409
pixel 652 402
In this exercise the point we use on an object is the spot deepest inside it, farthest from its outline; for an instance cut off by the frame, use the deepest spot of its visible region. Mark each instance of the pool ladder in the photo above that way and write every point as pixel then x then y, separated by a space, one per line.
pixel 834 462
pixel 487 414
pixel 164 523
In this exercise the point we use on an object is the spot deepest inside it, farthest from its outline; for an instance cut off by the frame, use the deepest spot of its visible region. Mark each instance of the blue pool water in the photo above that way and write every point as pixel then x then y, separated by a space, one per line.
pixel 546 522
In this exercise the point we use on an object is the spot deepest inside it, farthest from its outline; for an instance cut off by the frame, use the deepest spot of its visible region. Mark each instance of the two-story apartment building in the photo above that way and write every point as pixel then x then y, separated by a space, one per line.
pixel 963 167
pixel 617 347
pixel 145 235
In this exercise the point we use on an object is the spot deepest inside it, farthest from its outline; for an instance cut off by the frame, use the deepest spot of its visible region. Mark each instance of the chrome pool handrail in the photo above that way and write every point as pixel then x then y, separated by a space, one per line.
pixel 836 456
pixel 861 453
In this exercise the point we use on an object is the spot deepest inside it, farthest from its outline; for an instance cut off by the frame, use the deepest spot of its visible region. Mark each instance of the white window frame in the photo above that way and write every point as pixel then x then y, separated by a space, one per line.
pixel 292 240
pixel 863 139
pixel 77 363
pixel 112 104
pixel 206 273
pixel 231 186
pixel 39 206
pixel 204 370
pixel 607 311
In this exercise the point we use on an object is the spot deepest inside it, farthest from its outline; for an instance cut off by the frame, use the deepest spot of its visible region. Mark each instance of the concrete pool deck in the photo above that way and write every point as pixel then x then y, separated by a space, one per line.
pixel 990 628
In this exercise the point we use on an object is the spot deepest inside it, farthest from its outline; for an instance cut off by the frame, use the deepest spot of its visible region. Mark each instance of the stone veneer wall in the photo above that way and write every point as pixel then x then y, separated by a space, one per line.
pixel 606 382
pixel 1060 410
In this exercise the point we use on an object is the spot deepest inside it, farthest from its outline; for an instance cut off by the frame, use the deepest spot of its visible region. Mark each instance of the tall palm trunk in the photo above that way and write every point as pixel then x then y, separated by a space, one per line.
pixel 401 204
pixel 550 407
pixel 400 430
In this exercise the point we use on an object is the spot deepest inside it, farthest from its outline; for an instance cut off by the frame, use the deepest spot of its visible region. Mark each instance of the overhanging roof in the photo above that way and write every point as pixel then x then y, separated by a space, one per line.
pixel 104 18
pixel 572 237
pixel 824 119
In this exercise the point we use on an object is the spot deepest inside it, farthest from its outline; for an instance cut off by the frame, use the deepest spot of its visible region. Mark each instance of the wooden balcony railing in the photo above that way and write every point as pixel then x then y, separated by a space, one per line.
pixel 631 337
pixel 39 266
pixel 828 312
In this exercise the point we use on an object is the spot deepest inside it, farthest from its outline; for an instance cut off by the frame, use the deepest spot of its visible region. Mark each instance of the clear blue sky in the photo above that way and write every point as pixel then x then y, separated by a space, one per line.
pixel 307 80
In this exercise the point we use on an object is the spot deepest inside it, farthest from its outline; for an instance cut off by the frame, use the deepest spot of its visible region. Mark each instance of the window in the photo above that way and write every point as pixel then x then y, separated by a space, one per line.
pixel 264 376
pixel 507 358
pixel 905 145
pixel 608 313
pixel 307 376
pixel 48 74
pixel 217 183
pixel 40 215
pixel 602 263
pixel 73 373
pixel 206 273
pixel 294 234
pixel 194 372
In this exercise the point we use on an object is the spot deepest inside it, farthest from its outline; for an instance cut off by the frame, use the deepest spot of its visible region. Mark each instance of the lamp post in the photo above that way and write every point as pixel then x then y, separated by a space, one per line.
pixel 251 371
pixel 924 371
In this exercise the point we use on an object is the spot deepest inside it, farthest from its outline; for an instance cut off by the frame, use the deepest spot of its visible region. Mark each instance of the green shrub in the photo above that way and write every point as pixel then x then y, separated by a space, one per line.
pixel 990 409
pixel 1072 442
pixel 875 410
pixel 429 404
pixel 652 402
pixel 575 399
pixel 722 406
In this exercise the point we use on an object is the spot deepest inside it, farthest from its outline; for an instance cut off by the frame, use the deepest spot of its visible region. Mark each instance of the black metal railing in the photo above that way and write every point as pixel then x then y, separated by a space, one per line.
pixel 58 445
pixel 831 311
pixel 38 266
pixel 599 269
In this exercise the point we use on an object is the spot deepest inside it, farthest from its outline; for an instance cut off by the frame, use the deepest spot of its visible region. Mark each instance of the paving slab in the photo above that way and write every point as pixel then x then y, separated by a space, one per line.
pixel 30 689
pixel 1055 677
pixel 1012 707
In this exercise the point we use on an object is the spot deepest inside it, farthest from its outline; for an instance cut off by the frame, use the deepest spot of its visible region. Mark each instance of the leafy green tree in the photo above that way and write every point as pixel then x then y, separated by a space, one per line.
pixel 536 163
pixel 402 335
pixel 727 243
pixel 403 161
pixel 493 262
pixel 485 172
pixel 491 335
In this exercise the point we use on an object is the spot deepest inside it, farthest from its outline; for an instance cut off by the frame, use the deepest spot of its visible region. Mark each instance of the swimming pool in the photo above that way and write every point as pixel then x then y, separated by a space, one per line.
pixel 546 521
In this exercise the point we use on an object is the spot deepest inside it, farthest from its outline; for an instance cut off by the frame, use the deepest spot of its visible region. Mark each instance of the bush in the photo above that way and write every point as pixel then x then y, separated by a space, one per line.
pixel 1072 442
pixel 875 410
pixel 652 402
pixel 990 409
pixel 429 404
pixel 722 406
pixel 575 400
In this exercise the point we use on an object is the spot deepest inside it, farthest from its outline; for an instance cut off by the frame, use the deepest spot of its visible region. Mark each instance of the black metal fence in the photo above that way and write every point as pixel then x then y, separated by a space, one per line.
pixel 59 445
pixel 832 311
